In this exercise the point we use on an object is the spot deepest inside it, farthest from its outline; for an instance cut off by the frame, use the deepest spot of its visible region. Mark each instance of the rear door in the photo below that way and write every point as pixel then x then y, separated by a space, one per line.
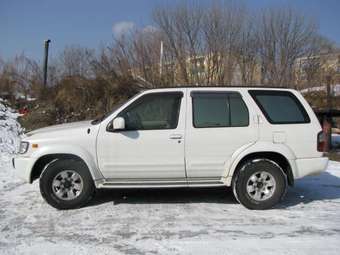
pixel 218 124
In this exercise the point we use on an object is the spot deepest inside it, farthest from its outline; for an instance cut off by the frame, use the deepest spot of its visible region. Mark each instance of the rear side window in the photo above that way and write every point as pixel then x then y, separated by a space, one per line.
pixel 280 107
pixel 219 110
pixel 239 116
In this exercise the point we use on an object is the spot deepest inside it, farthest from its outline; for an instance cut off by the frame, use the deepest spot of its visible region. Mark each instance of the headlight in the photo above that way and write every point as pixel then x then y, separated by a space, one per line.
pixel 23 147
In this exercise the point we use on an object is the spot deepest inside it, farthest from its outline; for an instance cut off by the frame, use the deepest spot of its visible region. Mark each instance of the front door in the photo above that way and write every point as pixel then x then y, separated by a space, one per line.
pixel 151 146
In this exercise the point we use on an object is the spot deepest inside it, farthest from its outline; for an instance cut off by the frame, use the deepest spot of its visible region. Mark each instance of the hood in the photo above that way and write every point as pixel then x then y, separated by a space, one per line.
pixel 62 127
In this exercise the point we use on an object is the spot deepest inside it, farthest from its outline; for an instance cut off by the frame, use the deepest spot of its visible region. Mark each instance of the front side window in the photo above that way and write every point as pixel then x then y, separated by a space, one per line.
pixel 153 111
pixel 280 107
pixel 219 109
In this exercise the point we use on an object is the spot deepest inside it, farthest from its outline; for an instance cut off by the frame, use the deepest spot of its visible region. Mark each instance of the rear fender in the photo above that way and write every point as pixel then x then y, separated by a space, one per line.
pixel 258 148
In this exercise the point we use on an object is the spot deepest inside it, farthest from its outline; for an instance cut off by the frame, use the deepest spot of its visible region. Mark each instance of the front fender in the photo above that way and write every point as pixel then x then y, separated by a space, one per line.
pixel 78 151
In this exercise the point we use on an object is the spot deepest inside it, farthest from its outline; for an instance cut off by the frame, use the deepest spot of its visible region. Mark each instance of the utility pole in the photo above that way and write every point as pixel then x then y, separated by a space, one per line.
pixel 161 60
pixel 46 45
pixel 327 122
pixel 329 92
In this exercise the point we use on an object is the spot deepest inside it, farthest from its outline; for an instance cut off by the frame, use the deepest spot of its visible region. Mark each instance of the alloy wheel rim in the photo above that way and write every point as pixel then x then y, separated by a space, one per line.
pixel 261 186
pixel 67 185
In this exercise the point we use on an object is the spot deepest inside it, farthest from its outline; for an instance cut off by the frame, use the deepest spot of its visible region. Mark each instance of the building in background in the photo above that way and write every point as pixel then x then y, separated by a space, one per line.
pixel 312 71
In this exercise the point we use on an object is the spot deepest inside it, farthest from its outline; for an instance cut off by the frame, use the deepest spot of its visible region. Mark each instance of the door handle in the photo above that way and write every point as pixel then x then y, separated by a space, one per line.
pixel 175 136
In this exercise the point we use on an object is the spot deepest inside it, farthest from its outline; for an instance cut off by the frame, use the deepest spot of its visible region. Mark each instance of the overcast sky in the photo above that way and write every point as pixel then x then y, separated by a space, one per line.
pixel 90 23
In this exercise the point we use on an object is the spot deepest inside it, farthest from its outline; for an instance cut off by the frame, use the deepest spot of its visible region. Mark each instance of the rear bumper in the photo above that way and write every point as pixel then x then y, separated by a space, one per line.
pixel 310 166
pixel 23 167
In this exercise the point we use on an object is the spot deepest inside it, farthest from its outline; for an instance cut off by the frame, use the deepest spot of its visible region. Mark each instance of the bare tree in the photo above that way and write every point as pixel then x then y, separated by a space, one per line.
pixel 247 52
pixel 181 28
pixel 76 60
pixel 202 42
pixel 284 35
pixel 310 68
pixel 146 55
pixel 222 30
pixel 23 74
pixel 7 84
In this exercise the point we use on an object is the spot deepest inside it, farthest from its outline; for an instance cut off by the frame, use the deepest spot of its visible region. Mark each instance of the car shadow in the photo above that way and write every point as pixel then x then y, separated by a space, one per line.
pixel 325 187
pixel 164 195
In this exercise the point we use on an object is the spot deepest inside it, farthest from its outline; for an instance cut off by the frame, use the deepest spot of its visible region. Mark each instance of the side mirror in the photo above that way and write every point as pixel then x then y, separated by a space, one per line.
pixel 119 123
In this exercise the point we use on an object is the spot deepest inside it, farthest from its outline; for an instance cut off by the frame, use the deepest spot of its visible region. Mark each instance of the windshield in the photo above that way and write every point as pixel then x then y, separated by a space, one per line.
pixel 115 107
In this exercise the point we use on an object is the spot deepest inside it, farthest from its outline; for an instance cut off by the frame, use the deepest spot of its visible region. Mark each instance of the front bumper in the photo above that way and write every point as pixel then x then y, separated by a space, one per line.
pixel 310 166
pixel 23 167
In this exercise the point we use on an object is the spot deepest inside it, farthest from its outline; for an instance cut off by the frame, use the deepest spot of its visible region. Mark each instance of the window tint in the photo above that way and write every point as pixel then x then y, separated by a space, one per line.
pixel 280 107
pixel 211 111
pixel 219 110
pixel 239 115
pixel 153 111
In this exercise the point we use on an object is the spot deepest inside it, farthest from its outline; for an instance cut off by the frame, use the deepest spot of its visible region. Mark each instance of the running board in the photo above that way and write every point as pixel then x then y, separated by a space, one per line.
pixel 135 183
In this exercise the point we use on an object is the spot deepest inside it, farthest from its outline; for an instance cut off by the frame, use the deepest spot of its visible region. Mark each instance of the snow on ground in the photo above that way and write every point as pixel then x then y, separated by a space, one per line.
pixel 172 221
pixel 168 221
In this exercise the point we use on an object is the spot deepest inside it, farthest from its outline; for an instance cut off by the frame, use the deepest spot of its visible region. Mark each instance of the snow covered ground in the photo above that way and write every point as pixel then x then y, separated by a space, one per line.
pixel 178 221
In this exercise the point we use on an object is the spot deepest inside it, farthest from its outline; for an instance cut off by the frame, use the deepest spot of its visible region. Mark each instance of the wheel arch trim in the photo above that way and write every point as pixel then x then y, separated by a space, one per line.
pixel 262 148
pixel 56 152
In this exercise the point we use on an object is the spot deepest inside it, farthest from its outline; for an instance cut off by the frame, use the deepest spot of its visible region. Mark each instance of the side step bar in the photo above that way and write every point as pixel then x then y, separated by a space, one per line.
pixel 135 183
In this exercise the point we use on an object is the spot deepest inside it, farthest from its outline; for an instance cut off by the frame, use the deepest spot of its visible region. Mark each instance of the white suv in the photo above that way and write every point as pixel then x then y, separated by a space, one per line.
pixel 256 140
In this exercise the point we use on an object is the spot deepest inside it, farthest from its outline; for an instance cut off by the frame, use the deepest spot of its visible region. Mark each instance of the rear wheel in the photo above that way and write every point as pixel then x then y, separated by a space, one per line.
pixel 66 184
pixel 259 184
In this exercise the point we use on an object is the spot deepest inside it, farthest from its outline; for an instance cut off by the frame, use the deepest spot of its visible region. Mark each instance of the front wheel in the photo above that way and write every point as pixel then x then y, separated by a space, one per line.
pixel 259 184
pixel 66 184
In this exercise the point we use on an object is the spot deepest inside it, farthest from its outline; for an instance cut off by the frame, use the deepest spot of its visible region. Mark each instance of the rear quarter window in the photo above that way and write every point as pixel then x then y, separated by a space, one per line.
pixel 280 107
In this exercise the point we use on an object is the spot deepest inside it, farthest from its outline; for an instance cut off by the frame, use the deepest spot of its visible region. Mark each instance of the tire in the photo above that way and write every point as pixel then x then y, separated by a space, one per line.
pixel 66 184
pixel 259 184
